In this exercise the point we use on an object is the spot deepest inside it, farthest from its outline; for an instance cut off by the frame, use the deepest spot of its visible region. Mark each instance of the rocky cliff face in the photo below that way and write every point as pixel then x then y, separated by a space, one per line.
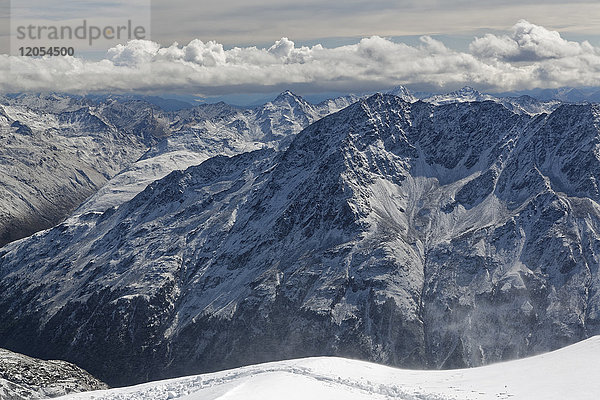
pixel 26 378
pixel 404 233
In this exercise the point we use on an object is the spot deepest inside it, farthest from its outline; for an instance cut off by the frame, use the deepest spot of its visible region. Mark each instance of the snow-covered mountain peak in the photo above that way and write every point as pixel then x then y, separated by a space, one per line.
pixel 519 105
pixel 467 90
pixel 286 94
pixel 403 93
pixel 287 97
pixel 466 94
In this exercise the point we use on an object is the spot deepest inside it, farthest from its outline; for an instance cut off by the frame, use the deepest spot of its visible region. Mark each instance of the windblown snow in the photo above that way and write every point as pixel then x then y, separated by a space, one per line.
pixel 569 373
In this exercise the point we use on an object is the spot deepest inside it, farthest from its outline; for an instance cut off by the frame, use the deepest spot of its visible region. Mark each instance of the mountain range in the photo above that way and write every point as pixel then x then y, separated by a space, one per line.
pixel 418 234
pixel 58 150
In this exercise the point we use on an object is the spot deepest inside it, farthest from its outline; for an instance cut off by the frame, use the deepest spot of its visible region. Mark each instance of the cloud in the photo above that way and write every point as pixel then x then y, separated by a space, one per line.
pixel 528 42
pixel 529 56
pixel 136 52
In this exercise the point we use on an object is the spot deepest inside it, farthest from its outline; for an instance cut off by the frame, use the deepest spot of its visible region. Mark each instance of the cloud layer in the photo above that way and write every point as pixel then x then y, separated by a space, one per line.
pixel 527 57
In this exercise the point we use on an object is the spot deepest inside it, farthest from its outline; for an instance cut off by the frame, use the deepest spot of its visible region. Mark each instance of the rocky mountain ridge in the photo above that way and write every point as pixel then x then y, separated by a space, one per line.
pixel 58 150
pixel 26 378
pixel 404 233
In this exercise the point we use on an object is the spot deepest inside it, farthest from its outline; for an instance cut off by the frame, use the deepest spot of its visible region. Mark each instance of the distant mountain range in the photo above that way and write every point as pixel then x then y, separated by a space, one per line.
pixel 522 104
pixel 565 94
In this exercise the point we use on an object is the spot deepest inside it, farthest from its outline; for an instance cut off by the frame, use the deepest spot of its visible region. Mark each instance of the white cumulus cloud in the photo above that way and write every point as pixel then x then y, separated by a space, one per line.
pixel 529 56
pixel 528 42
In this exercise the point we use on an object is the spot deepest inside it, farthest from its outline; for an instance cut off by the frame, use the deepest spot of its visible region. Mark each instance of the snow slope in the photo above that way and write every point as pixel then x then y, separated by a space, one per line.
pixel 569 373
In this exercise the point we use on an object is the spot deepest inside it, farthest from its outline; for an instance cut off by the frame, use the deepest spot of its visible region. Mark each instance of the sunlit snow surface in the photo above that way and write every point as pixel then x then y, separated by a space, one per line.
pixel 569 373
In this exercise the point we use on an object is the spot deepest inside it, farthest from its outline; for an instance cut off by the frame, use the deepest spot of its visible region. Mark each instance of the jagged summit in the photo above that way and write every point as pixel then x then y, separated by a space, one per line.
pixel 464 94
pixel 467 90
pixel 520 105
pixel 403 93
pixel 288 97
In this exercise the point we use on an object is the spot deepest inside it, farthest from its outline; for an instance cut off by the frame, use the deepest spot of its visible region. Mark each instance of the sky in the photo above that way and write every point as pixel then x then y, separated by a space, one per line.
pixel 239 22
pixel 232 47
